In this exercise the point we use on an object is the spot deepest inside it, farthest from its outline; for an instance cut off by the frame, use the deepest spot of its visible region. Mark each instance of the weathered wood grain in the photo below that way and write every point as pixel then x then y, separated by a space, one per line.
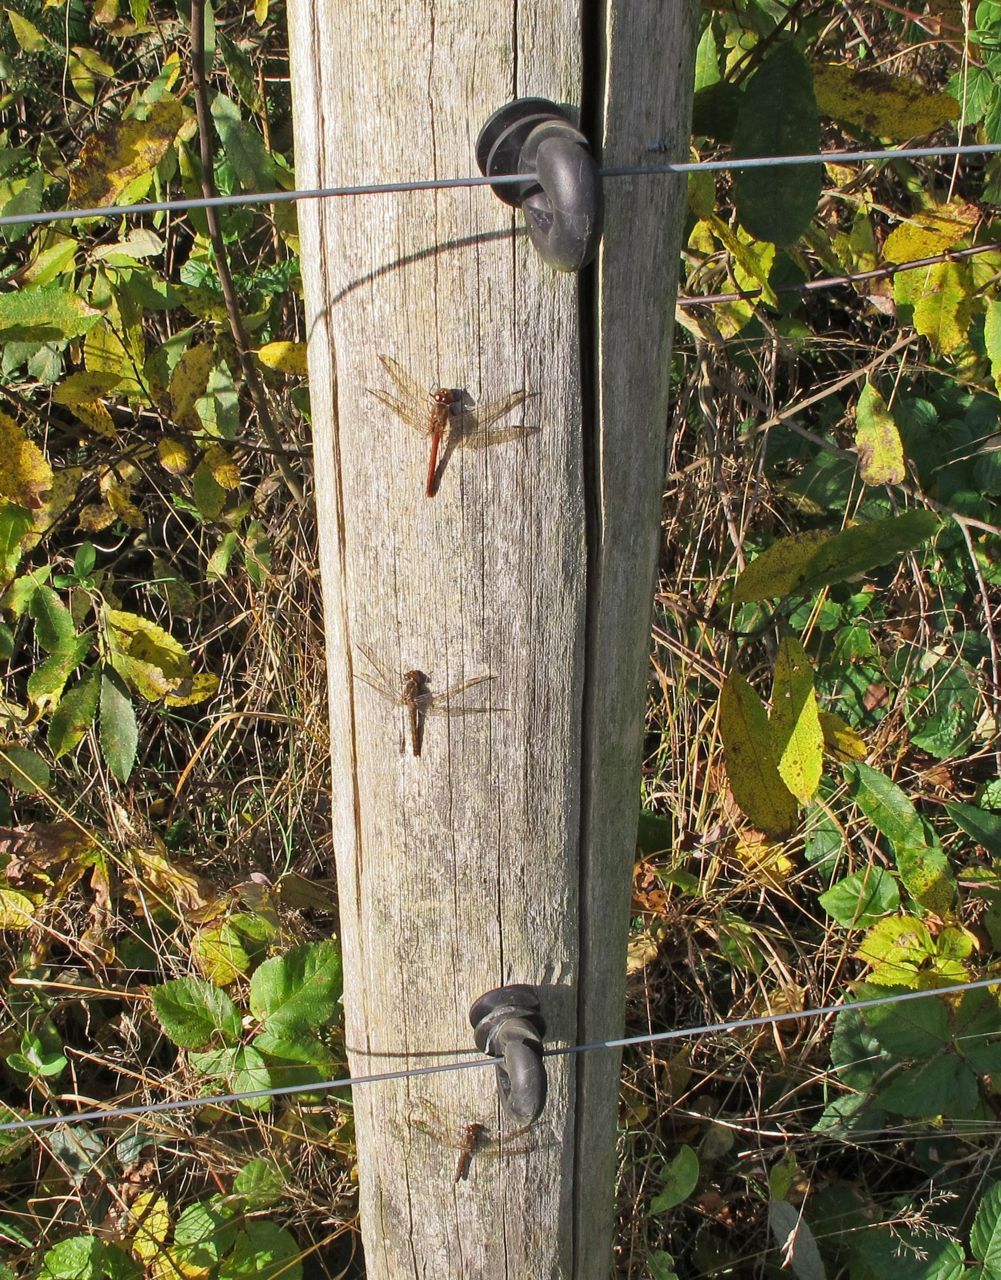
pixel 503 853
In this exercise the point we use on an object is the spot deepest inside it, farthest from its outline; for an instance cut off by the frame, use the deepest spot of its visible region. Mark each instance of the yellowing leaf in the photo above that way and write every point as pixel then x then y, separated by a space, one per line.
pixel 896 947
pixel 643 948
pixel 65 484
pixel 25 475
pixel 840 739
pixel 880 449
pixel 219 954
pixel 188 383
pixel 26 34
pixel 798 740
pixel 149 1225
pixel 750 765
pixel 87 68
pixel 170 881
pixel 15 910
pixel 174 455
pixel 287 357
pixel 766 862
pixel 203 687
pixel 224 470
pixel 146 656
pixel 121 152
pixel 930 231
pixel 944 310
pixel 893 107
pixel 82 393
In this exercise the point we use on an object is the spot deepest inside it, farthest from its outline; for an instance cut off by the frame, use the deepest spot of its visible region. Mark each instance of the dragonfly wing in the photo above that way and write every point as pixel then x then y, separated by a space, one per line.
pixel 443 704
pixel 404 412
pixel 485 415
pixel 386 684
pixel 408 387
pixel 479 439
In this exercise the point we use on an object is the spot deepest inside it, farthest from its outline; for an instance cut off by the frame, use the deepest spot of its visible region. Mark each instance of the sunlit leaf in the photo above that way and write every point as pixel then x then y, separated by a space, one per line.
pixel 943 312
pixel 149 1225
pixel 74 715
pixel 121 152
pixel 877 439
pixel 287 357
pixel 188 383
pixel 16 910
pixel 840 739
pixel 26 33
pixel 750 763
pixel 195 1014
pixel 928 231
pixel 893 107
pixel 175 455
pixel 82 392
pixel 203 686
pixel 797 736
pixel 807 561
pixel 25 475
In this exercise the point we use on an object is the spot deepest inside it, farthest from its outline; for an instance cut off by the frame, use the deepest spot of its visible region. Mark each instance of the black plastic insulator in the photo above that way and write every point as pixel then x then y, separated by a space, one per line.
pixel 508 1023
pixel 561 195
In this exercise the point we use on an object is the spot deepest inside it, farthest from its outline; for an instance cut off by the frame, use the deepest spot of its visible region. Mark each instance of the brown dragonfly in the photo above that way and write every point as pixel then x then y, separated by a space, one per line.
pixel 472 1138
pixel 446 417
pixel 411 691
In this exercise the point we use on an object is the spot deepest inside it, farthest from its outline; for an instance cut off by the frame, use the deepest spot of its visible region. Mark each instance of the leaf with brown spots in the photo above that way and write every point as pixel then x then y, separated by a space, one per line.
pixel 122 152
pixel 25 475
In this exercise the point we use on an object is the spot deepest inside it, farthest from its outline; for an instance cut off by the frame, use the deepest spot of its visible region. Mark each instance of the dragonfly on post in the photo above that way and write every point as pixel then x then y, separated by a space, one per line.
pixel 443 416
pixel 471 1139
pixel 411 691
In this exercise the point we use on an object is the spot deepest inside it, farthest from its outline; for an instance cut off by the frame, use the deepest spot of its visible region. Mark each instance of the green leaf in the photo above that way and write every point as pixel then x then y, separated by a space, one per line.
pixel 54 628
pixel 880 450
pixel 923 866
pixel 300 990
pixel 900 1254
pixel 88 1258
pixel 25 770
pixel 74 715
pixel 795 1240
pixel 244 147
pixel 44 313
pixel 750 765
pixel 945 1086
pixel 804 562
pixel 263 1251
pixel 912 1028
pixel 203 1233
pixel 859 900
pixel 241 72
pixel 678 1181
pixel 797 735
pixel 119 733
pixel 942 718
pixel 887 808
pixel 194 1013
pixel 243 1070
pixel 47 681
pixel 985 1234
pixel 778 117
pixel 261 1182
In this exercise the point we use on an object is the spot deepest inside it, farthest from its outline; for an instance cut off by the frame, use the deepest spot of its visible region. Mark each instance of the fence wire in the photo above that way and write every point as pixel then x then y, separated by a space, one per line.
pixel 881 156
pixel 624 1042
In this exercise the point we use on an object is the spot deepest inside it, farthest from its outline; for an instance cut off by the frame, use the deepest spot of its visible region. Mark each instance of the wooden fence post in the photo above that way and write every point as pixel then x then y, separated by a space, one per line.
pixel 503 852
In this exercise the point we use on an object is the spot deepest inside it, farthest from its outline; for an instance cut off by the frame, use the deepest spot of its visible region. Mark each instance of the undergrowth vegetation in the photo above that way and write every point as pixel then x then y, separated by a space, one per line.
pixel 822 793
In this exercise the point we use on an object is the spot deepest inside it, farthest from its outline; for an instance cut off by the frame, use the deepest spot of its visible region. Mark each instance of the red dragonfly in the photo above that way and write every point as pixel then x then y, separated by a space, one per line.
pixel 443 416
pixel 473 1138
pixel 411 690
